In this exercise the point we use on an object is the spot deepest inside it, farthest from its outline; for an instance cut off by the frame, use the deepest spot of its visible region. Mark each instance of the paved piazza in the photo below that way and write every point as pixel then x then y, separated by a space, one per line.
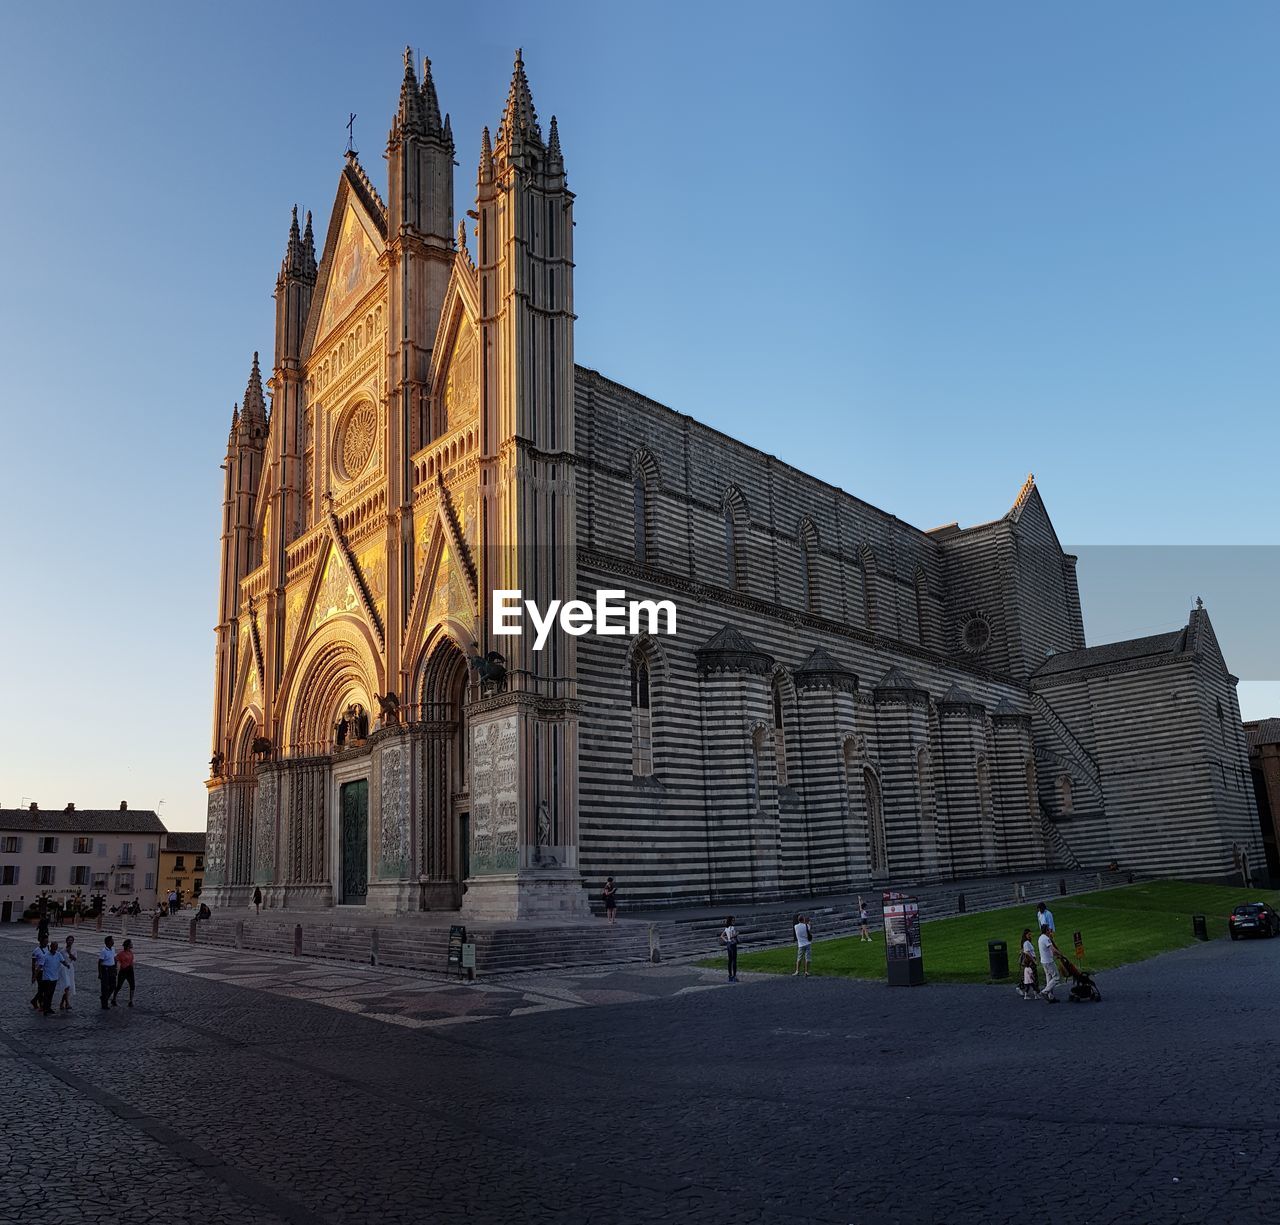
pixel 248 1088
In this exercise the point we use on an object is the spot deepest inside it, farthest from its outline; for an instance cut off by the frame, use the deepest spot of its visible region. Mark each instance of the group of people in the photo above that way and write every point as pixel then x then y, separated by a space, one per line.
pixel 802 928
pixel 1029 988
pixel 53 971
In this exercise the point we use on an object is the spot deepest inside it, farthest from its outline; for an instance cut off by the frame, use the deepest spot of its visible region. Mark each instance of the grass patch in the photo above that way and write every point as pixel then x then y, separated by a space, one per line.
pixel 1118 926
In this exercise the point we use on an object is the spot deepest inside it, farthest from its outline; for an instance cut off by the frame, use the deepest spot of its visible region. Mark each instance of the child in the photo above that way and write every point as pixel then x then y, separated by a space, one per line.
pixel 1027 960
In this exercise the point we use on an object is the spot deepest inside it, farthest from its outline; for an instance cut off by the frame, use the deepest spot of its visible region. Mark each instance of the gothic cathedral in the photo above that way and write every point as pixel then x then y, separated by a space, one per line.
pixel 848 701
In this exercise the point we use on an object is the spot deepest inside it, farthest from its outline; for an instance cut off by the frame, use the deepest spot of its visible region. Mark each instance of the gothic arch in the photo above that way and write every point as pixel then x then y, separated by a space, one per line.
pixel 737 518
pixel 810 553
pixel 336 669
pixel 645 483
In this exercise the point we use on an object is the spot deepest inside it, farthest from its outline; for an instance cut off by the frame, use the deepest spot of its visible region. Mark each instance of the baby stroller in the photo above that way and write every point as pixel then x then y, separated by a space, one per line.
pixel 1082 985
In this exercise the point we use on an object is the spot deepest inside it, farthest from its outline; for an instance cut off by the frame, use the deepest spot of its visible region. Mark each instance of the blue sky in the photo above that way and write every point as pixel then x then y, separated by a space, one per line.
pixel 918 250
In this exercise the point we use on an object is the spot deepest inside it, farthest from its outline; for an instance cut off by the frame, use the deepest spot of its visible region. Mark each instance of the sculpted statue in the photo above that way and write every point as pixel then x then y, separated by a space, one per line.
pixel 491 669
pixel 215 764
pixel 389 705
pixel 261 746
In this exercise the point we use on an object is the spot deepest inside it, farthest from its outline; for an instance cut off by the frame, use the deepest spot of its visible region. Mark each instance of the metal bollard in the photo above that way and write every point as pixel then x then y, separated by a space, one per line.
pixel 99 920
pixel 655 944
pixel 373 947
pixel 191 932
pixel 960 904
pixel 155 926
pixel 240 933
pixel 1198 927
pixel 1062 887
pixel 297 940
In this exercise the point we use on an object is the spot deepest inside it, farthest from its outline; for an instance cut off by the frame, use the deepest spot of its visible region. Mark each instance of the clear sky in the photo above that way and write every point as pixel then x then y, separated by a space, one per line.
pixel 917 250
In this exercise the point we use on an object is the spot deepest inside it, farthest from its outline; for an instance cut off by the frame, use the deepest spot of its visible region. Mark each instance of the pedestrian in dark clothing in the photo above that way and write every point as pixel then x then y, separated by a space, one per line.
pixel 124 972
pixel 107 970
pixel 257 901
pixel 610 895
pixel 42 928
pixel 729 938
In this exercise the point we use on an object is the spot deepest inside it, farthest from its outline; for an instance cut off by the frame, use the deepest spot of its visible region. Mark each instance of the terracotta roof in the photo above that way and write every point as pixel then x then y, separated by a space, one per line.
pixel 1172 643
pixel 86 820
pixel 1262 731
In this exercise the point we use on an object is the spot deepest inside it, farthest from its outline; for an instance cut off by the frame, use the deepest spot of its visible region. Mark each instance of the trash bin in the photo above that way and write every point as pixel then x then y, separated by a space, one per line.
pixel 1198 927
pixel 998 956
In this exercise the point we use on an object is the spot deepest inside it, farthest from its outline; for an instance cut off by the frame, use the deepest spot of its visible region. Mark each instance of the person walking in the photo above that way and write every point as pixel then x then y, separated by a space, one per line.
pixel 107 970
pixel 42 928
pixel 1044 916
pixel 50 966
pixel 864 922
pixel 1048 959
pixel 67 974
pixel 804 942
pixel 173 900
pixel 124 972
pixel 610 895
pixel 37 966
pixel 729 938
pixel 257 901
pixel 1027 960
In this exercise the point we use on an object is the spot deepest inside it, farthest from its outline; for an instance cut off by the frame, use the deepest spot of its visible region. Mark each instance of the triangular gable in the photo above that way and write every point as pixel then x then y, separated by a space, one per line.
pixel 349 267
pixel 1204 640
pixel 457 344
pixel 335 592
pixel 1030 511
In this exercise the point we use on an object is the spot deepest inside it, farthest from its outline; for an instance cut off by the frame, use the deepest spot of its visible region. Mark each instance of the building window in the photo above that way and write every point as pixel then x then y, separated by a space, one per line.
pixel 641 720
pixel 877 850
pixel 151 850
pixel 11 845
pixel 149 881
pixel 640 510
pixel 126 855
pixel 1064 794
pixel 986 814
pixel 780 733
pixel 922 609
pixel 199 863
pixel 102 850
pixel 809 566
pixel 124 882
pixel 730 547
pixel 79 876
pixel 99 880
pixel 8 875
pixel 180 863
pixel 197 885
pixel 84 846
pixel 48 846
pixel 44 874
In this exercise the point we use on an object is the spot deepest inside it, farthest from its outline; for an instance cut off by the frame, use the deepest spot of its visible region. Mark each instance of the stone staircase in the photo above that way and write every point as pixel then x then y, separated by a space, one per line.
pixel 419 942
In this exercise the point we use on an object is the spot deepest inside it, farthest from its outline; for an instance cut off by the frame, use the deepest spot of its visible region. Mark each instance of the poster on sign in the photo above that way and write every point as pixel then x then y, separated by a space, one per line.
pixel 903 954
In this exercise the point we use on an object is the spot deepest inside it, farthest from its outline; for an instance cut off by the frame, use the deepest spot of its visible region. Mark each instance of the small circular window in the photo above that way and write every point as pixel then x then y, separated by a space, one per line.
pixel 976 634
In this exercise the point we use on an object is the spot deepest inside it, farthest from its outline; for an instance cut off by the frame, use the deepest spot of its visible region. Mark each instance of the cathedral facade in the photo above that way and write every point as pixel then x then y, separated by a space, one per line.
pixel 848 700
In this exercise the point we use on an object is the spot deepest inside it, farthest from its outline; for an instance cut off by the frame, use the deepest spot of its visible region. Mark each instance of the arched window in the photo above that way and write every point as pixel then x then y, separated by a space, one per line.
pixel 877 850
pixel 1064 794
pixel 1033 797
pixel 867 564
pixel 780 732
pixel 922 608
pixel 640 510
pixel 986 816
pixel 641 720
pixel 809 566
pixel 730 547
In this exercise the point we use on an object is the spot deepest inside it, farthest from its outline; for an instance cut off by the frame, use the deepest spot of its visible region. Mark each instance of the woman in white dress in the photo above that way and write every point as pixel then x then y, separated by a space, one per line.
pixel 67 973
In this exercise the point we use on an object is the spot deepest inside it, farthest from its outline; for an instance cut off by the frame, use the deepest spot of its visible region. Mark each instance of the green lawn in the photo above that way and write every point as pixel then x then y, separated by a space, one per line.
pixel 1118 926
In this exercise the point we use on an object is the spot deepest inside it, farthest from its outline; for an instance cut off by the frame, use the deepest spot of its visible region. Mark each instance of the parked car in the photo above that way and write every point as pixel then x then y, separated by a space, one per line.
pixel 1253 919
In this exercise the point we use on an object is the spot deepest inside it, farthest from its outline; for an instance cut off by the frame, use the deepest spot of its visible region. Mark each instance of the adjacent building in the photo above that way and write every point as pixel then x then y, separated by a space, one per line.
pixel 849 700
pixel 86 852
pixel 1263 737
pixel 181 867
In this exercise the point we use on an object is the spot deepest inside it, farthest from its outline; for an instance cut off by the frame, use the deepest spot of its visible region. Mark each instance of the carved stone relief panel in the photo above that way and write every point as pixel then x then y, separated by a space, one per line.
pixel 495 800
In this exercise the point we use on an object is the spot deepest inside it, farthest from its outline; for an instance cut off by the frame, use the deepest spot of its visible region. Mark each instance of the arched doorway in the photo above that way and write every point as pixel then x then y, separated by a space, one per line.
pixel 445 836
pixel 878 851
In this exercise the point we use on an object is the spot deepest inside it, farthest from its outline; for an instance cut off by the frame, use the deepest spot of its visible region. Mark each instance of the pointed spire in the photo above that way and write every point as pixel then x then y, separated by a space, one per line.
pixel 448 132
pixel 255 404
pixel 486 158
pixel 519 119
pixel 462 235
pixel 553 141
pixel 409 119
pixel 292 264
pixel 430 103
pixel 235 423
pixel 309 250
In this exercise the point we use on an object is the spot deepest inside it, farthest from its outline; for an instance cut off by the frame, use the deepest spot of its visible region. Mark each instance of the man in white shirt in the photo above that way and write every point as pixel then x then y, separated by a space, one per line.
pixel 1048 959
pixel 50 965
pixel 804 942
pixel 37 965
pixel 1044 916
pixel 107 970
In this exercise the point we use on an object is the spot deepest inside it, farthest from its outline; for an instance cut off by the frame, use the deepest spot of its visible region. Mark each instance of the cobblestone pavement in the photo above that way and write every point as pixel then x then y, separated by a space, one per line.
pixel 775 1100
